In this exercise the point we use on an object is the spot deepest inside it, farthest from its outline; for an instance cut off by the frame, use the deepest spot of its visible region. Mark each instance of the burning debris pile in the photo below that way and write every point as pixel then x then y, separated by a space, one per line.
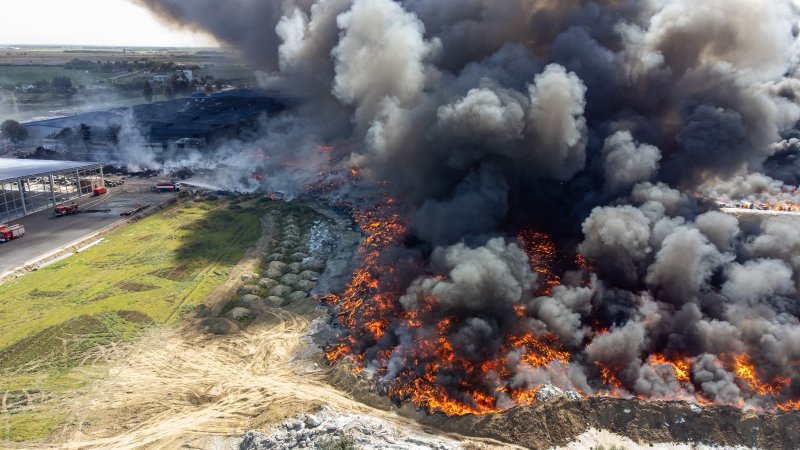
pixel 542 168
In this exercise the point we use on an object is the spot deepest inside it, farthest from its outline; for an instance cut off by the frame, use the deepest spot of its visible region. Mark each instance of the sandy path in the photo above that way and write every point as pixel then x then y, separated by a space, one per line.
pixel 177 386
pixel 178 383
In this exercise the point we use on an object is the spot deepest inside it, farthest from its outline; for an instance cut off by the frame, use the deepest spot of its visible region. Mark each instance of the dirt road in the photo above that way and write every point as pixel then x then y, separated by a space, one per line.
pixel 181 387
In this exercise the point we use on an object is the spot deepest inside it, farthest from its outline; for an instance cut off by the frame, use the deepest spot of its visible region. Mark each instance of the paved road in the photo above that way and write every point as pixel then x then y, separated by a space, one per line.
pixel 45 233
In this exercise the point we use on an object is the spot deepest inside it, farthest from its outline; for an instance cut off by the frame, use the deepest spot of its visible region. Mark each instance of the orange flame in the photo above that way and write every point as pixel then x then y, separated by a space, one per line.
pixel 747 372
pixel 542 255
pixel 370 311
pixel 680 367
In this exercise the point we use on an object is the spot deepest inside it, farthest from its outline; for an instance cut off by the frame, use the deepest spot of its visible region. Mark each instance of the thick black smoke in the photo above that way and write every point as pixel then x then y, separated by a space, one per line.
pixel 598 121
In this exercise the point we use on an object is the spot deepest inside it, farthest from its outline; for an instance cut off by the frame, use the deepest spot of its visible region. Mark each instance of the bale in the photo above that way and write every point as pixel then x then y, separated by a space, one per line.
pixel 249 276
pixel 297 295
pixel 238 313
pixel 293 268
pixel 277 265
pixel 305 285
pixel 274 301
pixel 267 283
pixel 280 290
pixel 221 326
pixel 314 265
pixel 290 279
pixel 298 257
pixel 309 275
pixel 249 300
pixel 249 289
pixel 273 274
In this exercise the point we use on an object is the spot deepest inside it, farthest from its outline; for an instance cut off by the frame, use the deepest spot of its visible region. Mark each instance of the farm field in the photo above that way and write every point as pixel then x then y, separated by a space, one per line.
pixel 27 74
pixel 61 323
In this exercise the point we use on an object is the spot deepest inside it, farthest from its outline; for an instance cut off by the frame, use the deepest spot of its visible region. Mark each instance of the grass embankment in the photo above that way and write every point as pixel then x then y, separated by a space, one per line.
pixel 60 323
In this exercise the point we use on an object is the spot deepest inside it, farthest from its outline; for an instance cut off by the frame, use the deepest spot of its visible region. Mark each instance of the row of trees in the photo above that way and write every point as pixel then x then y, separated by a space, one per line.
pixel 124 66
pixel 177 85
pixel 82 134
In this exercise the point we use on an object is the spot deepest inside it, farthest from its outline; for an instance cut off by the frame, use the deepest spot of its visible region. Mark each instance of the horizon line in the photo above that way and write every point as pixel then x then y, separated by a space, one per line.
pixel 2 44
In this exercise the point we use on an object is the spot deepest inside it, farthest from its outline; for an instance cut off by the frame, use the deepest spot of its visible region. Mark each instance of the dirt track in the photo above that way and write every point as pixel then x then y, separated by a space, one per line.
pixel 181 386
pixel 177 384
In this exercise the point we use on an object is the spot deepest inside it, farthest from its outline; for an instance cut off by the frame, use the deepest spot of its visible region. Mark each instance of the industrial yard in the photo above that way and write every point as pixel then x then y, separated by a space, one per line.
pixel 46 233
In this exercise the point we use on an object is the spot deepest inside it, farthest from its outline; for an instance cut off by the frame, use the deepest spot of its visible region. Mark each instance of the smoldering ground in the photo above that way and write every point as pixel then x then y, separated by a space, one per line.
pixel 596 121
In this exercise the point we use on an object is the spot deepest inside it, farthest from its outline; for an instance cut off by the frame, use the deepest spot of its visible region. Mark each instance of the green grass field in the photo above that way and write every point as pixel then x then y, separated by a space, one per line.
pixel 55 321
pixel 16 75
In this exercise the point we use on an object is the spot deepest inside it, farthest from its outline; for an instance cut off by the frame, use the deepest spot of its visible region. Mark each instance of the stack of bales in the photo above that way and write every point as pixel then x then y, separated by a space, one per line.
pixel 290 274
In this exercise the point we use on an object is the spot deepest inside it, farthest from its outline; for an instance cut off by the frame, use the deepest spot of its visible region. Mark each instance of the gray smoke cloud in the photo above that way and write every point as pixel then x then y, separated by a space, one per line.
pixel 627 163
pixel 684 265
pixel 606 123
pixel 566 316
pixel 620 237
pixel 721 229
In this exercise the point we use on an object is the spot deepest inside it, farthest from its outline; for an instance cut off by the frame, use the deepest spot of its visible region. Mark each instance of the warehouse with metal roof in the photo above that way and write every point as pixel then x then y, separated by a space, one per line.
pixel 31 185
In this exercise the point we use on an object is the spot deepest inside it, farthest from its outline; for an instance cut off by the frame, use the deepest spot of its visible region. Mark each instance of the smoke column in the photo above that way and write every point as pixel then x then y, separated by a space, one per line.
pixel 601 123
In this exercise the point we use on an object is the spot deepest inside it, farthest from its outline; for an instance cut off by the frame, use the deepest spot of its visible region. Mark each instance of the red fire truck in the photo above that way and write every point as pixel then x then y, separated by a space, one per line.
pixel 167 187
pixel 65 209
pixel 9 232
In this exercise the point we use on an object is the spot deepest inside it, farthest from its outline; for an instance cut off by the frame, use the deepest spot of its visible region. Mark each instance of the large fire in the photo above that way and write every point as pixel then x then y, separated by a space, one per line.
pixel 369 306
pixel 370 311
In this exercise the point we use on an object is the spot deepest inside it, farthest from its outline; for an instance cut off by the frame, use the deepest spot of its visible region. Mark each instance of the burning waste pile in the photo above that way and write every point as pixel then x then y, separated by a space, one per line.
pixel 537 166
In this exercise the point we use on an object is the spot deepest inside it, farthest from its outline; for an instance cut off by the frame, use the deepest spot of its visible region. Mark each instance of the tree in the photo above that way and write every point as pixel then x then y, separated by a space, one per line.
pixel 82 64
pixel 85 132
pixel 148 91
pixel 180 84
pixel 13 130
pixel 66 136
pixel 62 83
pixel 113 133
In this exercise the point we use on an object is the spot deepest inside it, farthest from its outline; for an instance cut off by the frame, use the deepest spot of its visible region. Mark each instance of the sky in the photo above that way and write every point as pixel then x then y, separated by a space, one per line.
pixel 89 22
